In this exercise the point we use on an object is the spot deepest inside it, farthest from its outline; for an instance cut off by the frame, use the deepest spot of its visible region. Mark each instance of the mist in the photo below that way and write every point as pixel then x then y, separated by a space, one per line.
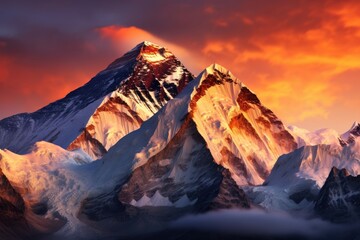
pixel 260 224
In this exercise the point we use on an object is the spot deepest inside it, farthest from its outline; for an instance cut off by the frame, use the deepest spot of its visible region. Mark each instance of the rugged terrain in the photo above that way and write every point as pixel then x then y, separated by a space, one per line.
pixel 171 149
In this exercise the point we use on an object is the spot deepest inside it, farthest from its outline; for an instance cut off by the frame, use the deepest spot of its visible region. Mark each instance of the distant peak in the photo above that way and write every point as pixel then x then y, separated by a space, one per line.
pixel 351 134
pixel 355 126
pixel 355 130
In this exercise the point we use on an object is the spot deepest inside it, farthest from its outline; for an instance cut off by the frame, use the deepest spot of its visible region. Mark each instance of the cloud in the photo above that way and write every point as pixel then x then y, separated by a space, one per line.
pixel 41 68
pixel 218 47
pixel 348 14
pixel 259 224
pixel 288 52
pixel 305 47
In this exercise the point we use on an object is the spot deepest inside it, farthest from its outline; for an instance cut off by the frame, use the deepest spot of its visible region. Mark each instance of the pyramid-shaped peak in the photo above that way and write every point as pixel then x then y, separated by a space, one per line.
pixel 148 43
pixel 145 50
pixel 153 52
pixel 219 72
pixel 217 67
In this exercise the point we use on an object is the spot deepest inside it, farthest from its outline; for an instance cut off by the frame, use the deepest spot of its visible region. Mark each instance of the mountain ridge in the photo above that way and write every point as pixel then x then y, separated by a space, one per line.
pixel 167 145
pixel 64 122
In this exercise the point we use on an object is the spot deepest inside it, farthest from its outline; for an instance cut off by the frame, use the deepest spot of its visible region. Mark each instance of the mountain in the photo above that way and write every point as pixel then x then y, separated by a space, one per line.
pixel 304 171
pixel 168 146
pixel 241 134
pixel 16 221
pixel 194 153
pixel 325 136
pixel 45 182
pixel 189 157
pixel 112 104
pixel 349 136
pixel 305 137
pixel 338 199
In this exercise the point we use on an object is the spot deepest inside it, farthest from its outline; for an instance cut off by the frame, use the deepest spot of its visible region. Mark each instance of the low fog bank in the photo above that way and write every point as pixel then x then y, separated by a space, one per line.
pixel 226 225
pixel 258 224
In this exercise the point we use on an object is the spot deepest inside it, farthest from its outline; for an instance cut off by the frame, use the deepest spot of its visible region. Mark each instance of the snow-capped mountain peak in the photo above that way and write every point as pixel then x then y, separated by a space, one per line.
pixel 112 104
pixel 305 137
pixel 154 53
pixel 242 135
pixel 148 51
pixel 349 136
pixel 218 70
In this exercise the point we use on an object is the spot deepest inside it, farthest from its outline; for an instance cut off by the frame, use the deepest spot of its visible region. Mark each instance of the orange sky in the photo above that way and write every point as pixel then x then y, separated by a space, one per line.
pixel 302 58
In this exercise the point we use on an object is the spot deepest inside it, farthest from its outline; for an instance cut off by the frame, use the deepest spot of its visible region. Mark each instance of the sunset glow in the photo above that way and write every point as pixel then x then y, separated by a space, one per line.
pixel 302 58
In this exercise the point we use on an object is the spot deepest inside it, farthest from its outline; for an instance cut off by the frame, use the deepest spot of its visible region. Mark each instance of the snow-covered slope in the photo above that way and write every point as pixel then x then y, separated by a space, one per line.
pixel 304 137
pixel 115 102
pixel 304 171
pixel 47 182
pixel 325 136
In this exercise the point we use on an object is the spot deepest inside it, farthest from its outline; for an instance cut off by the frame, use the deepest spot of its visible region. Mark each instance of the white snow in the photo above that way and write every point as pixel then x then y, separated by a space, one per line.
pixel 157 200
pixel 276 198
pixel 175 76
pixel 49 174
pixel 323 136
pixel 155 56
pixel 309 166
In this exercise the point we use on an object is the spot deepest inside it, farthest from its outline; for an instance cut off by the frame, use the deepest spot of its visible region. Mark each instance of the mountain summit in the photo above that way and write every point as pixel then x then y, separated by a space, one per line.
pixel 112 104
pixel 349 136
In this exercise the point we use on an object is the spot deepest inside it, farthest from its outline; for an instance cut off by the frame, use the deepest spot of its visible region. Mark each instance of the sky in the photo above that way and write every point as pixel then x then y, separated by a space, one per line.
pixel 301 57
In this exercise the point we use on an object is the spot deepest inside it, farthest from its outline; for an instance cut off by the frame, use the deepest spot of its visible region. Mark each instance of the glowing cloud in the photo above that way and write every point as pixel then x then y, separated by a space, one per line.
pixel 296 55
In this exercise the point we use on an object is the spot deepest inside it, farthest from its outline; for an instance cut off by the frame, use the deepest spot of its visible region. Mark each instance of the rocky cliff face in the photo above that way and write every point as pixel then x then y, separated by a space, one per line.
pixel 338 199
pixel 12 204
pixel 181 177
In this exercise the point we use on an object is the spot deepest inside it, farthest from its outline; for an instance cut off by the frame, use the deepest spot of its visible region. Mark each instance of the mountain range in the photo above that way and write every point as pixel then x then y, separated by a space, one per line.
pixel 145 143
